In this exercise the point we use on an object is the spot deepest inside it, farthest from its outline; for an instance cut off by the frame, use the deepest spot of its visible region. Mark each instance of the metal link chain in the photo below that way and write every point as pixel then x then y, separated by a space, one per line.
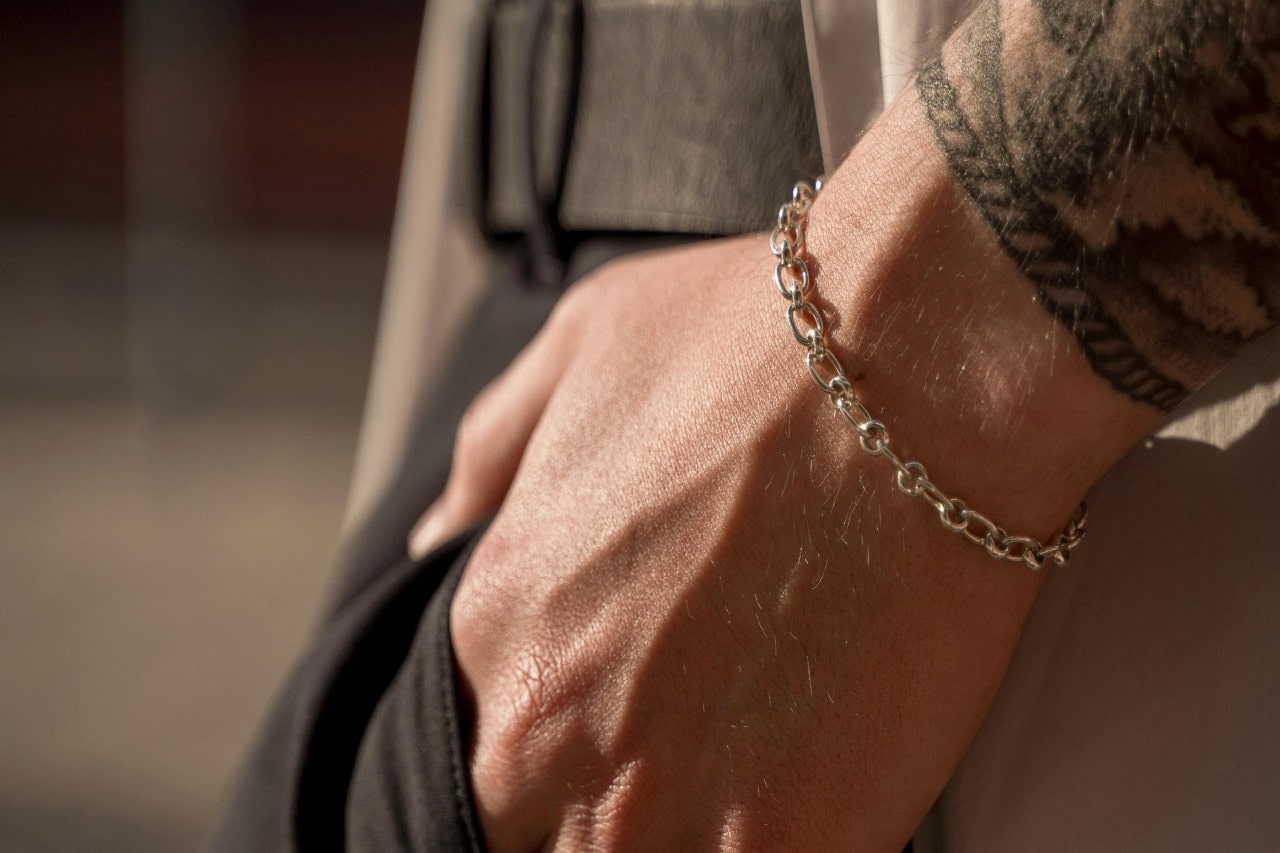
pixel 792 278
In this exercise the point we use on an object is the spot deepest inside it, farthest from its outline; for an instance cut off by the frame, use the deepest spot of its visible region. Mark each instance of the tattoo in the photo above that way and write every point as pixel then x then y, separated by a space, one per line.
pixel 1126 153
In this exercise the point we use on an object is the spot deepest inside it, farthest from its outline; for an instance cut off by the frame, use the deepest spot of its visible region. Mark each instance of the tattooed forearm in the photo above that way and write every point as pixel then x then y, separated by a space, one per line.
pixel 1126 154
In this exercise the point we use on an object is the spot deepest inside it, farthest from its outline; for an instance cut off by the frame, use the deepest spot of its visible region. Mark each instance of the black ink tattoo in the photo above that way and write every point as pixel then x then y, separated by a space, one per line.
pixel 1126 154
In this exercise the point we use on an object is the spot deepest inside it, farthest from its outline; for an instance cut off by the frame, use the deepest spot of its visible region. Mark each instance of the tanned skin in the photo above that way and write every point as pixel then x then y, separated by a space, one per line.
pixel 1126 153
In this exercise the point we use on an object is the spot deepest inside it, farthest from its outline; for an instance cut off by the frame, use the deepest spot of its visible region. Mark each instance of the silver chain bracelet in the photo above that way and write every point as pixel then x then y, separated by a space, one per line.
pixel 791 275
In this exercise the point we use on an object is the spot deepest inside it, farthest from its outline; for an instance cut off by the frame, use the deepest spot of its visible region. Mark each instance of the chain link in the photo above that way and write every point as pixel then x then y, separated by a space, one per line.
pixel 792 278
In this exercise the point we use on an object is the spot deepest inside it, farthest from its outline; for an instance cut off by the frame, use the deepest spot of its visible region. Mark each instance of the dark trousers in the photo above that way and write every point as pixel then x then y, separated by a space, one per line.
pixel 365 745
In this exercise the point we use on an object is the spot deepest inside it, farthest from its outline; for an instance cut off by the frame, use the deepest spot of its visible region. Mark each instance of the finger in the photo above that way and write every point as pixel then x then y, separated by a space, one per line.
pixel 491 440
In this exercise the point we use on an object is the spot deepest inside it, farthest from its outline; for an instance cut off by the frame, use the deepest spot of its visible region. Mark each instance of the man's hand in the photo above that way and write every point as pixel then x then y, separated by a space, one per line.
pixel 703 617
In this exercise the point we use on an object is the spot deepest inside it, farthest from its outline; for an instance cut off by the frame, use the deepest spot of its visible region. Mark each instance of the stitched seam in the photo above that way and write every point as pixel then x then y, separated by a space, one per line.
pixel 451 721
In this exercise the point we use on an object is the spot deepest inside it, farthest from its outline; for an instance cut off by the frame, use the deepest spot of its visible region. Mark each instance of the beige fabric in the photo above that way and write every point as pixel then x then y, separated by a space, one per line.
pixel 1141 709
pixel 861 55
pixel 843 45
pixel 436 271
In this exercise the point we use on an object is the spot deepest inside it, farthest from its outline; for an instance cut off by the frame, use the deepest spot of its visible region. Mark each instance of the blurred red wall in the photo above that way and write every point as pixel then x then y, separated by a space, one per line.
pixel 315 135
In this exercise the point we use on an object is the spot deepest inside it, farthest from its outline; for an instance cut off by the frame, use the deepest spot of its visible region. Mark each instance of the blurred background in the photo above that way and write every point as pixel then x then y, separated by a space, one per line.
pixel 195 207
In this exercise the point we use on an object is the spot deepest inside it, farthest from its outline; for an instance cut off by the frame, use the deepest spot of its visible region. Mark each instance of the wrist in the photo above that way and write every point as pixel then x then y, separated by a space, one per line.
pixel 941 335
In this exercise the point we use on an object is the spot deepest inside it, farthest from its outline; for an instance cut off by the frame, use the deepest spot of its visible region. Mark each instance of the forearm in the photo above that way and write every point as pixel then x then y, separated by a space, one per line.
pixel 1114 162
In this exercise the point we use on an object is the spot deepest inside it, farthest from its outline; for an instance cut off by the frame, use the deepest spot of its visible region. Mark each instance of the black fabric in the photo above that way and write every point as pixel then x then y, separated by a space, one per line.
pixel 293 793
pixel 689 117
pixel 410 788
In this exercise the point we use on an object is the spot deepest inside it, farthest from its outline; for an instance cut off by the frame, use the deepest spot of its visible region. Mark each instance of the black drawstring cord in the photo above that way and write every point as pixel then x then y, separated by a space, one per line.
pixel 543 236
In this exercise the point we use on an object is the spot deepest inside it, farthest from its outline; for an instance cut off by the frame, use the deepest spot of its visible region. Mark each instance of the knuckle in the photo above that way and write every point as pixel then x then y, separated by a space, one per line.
pixel 521 727
pixel 482 612
pixel 573 305
pixel 620 809
pixel 470 614
pixel 497 779
pixel 611 814
pixel 535 696
pixel 595 290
